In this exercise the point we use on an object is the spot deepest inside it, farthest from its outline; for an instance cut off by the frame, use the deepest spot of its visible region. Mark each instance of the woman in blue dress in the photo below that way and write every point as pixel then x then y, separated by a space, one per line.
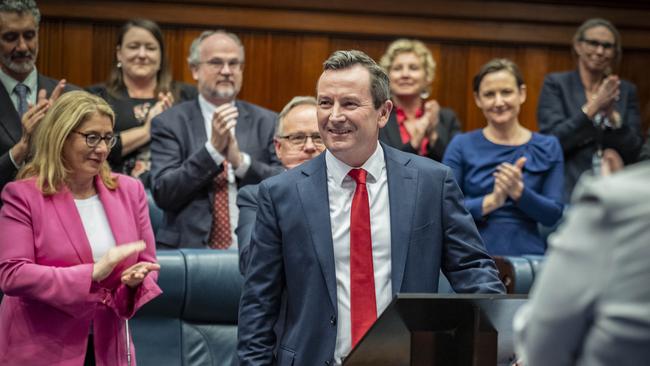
pixel 512 178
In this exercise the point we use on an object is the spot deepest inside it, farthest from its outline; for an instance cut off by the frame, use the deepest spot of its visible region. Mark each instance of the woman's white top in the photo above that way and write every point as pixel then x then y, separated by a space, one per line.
pixel 96 225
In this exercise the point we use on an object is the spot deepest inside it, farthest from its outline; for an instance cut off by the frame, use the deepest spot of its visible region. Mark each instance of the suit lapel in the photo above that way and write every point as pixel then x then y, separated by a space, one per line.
pixel 312 191
pixel 9 119
pixel 577 91
pixel 402 186
pixel 242 131
pixel 197 124
pixel 69 219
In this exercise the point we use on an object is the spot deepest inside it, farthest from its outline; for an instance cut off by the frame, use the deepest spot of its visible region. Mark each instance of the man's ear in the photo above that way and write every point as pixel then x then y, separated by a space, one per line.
pixel 384 113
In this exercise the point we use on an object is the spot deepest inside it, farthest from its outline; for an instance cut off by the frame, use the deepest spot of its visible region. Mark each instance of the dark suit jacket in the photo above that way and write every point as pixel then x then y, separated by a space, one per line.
pixel 559 113
pixel 11 129
pixel 183 171
pixel 448 127
pixel 292 250
pixel 645 149
pixel 247 203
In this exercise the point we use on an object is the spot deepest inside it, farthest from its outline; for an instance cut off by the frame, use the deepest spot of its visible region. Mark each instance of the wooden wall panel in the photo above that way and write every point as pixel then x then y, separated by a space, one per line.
pixel 285 46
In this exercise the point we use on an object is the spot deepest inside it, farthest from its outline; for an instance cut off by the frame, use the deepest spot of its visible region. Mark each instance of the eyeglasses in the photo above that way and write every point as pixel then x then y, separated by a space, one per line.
pixel 300 139
pixel 93 139
pixel 218 64
pixel 592 43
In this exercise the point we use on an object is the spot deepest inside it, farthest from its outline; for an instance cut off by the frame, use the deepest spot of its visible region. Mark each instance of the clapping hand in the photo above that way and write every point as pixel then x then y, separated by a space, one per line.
pixel 432 113
pixel 134 275
pixel 425 126
pixel 604 99
pixel 105 265
pixel 32 118
pixel 165 101
pixel 224 121
pixel 510 179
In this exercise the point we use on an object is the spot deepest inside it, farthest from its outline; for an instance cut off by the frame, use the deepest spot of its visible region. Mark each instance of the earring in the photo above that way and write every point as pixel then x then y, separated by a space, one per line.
pixel 119 65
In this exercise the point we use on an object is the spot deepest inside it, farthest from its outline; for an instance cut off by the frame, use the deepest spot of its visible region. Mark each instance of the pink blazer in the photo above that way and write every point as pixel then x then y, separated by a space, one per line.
pixel 50 301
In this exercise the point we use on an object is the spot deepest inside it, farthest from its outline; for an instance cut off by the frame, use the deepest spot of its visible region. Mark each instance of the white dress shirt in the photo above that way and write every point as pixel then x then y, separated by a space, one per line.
pixel 341 189
pixel 95 223
pixel 207 111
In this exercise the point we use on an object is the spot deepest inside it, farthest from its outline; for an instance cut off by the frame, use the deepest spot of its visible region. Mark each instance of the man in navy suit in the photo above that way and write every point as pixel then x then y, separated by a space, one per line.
pixel 315 242
pixel 19 20
pixel 296 140
pixel 194 141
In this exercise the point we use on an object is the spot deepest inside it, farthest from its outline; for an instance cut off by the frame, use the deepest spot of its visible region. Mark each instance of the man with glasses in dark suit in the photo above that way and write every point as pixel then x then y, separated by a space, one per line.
pixel 296 140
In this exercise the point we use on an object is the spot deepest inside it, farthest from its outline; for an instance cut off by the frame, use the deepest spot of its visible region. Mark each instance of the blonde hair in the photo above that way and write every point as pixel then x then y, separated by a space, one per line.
pixel 404 45
pixel 63 117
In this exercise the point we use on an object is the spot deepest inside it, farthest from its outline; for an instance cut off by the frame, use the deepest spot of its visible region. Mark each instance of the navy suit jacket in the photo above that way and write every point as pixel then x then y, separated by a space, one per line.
pixel 247 203
pixel 183 170
pixel 559 113
pixel 291 250
pixel 11 128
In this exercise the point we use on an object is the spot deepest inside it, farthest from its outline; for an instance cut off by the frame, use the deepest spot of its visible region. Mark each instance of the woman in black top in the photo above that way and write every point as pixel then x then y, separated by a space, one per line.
pixel 139 88
pixel 415 125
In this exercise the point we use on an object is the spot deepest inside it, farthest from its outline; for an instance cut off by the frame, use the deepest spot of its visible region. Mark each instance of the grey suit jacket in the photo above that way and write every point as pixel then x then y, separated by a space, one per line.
pixel 183 171
pixel 11 129
pixel 292 252
pixel 591 305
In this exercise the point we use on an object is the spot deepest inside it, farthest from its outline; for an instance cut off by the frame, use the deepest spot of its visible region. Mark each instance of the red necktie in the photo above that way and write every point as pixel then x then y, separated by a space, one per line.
pixel 220 236
pixel 363 308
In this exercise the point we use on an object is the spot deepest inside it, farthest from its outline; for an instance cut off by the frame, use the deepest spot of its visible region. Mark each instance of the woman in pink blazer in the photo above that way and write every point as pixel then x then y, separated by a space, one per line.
pixel 77 253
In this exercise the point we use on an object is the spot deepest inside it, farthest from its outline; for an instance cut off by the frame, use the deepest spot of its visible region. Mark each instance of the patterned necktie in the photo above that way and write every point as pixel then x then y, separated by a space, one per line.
pixel 220 236
pixel 21 91
pixel 363 305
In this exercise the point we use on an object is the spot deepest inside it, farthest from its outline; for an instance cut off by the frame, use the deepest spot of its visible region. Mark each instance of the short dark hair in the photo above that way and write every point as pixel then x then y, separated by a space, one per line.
pixel 495 65
pixel 599 22
pixel 379 83
pixel 20 7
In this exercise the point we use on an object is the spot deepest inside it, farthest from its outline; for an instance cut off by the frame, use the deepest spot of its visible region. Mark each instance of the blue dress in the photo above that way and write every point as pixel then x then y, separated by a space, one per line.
pixel 511 229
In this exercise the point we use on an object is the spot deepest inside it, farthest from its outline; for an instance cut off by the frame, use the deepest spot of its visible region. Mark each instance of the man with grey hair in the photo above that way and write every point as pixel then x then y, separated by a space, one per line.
pixel 296 140
pixel 203 149
pixel 341 234
pixel 22 85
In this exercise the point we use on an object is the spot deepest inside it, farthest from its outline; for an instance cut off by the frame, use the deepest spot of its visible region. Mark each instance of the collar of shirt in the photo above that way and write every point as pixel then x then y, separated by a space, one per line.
pixel 338 170
pixel 401 114
pixel 31 81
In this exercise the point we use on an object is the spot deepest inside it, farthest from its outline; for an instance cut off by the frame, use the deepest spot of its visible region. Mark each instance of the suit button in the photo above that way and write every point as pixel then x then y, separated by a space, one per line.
pixel 332 321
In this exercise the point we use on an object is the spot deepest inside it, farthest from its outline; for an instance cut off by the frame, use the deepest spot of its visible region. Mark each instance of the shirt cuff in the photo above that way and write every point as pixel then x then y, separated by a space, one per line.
pixel 216 156
pixel 242 169
pixel 11 157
